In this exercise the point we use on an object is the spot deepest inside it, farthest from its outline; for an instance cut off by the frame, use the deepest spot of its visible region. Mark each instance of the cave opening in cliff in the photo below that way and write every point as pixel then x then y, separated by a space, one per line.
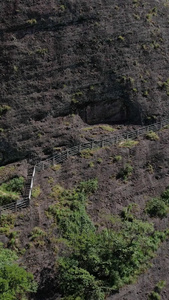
pixel 111 112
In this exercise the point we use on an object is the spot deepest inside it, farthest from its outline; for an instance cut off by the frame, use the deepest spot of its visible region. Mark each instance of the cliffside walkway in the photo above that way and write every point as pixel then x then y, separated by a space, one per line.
pixel 61 157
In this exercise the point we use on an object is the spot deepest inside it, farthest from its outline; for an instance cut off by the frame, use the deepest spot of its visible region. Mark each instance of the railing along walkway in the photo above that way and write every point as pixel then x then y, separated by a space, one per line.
pixel 59 158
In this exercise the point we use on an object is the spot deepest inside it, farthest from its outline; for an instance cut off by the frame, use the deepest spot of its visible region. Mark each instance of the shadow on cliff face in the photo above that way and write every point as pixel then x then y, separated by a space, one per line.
pixel 117 113
pixel 110 103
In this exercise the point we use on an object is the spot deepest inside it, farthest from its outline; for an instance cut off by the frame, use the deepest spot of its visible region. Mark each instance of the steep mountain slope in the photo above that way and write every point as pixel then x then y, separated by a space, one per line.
pixel 107 62
pixel 65 65
pixel 39 240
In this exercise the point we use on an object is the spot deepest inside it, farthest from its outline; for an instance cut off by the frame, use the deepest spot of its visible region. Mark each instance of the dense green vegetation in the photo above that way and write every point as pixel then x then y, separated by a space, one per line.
pixel 15 281
pixel 158 207
pixel 99 261
pixel 10 191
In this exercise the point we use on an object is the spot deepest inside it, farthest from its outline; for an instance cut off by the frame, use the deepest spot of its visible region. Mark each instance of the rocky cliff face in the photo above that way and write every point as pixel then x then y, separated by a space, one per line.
pixel 65 64
pixel 105 61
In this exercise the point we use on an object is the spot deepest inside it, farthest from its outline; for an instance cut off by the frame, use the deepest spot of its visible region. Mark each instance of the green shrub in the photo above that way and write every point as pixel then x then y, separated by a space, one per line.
pixel 70 214
pixel 91 164
pixel 156 207
pixel 126 214
pixel 159 286
pixel 15 281
pixel 99 160
pixel 4 108
pixel 165 196
pixel 77 281
pixel 37 233
pixel 125 172
pixel 89 186
pixel 86 153
pixel 152 136
pixel 117 158
pixel 154 296
pixel 150 168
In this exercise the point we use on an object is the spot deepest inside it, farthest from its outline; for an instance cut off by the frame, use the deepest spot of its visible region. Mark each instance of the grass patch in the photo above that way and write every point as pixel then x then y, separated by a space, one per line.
pixel 128 144
pixel 91 164
pixel 56 191
pixel 56 167
pixel 6 172
pixel 36 192
pixel 103 127
pixel 107 128
pixel 117 158
pixel 7 223
pixel 88 128
pixel 165 127
pixel 88 153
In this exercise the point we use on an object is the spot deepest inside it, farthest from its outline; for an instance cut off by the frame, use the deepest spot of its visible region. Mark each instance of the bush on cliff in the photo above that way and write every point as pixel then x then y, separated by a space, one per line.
pixel 15 281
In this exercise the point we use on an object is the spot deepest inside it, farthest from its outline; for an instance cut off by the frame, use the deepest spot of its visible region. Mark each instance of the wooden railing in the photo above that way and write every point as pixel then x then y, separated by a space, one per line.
pixel 59 158
pixel 14 206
